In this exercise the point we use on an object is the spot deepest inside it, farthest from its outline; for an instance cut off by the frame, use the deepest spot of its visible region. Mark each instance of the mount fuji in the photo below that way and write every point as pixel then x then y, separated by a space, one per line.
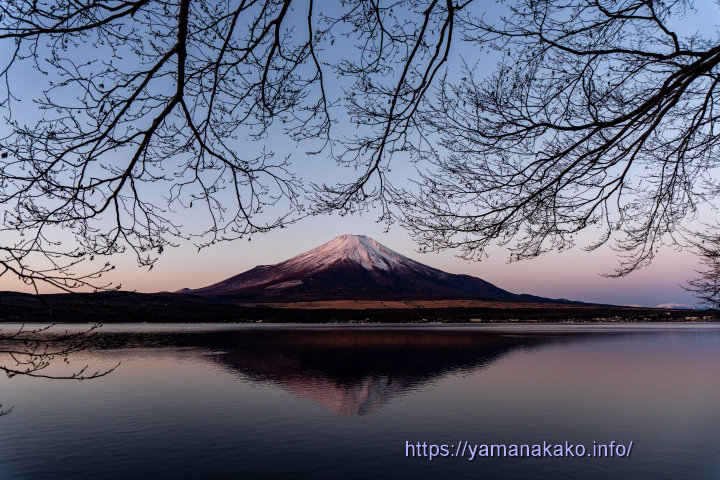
pixel 355 267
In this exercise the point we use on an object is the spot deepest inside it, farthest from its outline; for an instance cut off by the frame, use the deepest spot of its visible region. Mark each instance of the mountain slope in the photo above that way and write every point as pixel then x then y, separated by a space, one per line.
pixel 353 267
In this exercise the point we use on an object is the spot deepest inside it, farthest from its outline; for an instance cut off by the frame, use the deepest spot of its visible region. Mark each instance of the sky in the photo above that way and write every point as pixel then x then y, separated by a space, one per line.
pixel 573 274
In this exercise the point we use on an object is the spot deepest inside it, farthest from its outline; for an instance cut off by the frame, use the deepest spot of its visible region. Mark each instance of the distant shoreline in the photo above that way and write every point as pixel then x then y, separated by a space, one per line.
pixel 128 307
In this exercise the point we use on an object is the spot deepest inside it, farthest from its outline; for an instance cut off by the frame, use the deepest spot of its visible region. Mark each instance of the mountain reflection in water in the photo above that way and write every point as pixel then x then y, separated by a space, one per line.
pixel 349 371
pixel 313 402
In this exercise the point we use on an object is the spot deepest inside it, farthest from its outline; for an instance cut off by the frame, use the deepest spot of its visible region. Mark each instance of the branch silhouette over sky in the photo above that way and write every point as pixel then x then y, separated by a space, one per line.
pixel 133 126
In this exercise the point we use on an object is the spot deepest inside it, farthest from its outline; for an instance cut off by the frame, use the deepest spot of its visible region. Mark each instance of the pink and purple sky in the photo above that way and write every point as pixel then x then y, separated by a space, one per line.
pixel 573 274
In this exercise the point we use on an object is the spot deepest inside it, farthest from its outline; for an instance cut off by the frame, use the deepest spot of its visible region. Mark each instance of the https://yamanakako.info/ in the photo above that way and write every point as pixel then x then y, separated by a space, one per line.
pixel 470 451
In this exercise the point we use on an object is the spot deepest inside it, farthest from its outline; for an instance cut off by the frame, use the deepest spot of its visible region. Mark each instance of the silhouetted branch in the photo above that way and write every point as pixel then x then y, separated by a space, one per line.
pixel 599 117
pixel 31 350
pixel 179 96
pixel 706 286
pixel 412 54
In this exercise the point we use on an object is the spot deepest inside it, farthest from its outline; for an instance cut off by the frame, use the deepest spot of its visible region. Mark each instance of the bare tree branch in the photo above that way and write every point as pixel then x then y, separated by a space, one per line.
pixel 31 350
pixel 598 117
pixel 706 285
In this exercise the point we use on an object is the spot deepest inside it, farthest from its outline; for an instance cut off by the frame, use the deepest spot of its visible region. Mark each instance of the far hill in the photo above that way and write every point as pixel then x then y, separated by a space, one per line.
pixel 356 267
pixel 352 278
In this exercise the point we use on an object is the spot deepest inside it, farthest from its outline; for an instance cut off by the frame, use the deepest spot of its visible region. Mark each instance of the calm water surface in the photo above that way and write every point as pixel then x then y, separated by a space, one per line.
pixel 284 402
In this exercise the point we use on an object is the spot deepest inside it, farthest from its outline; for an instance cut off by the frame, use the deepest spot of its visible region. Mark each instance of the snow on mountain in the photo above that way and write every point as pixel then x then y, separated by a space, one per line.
pixel 358 249
pixel 352 267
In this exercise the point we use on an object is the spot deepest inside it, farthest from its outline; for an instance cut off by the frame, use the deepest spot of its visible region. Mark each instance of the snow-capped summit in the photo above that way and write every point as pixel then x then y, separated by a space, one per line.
pixel 358 249
pixel 351 267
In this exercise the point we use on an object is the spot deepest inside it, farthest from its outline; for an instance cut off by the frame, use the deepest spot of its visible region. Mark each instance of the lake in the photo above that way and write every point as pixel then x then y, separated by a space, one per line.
pixel 358 401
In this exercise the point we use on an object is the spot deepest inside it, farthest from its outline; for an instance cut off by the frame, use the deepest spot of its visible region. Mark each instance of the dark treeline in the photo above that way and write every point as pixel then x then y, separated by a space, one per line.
pixel 114 307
